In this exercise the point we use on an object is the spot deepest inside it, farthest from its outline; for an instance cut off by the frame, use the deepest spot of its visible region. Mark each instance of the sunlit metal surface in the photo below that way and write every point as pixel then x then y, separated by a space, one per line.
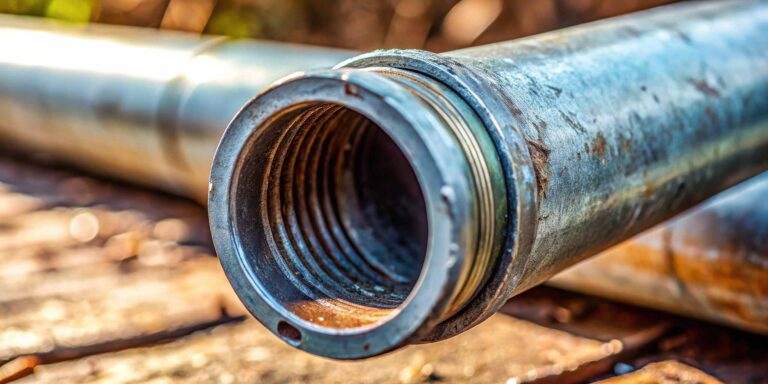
pixel 600 131
pixel 141 105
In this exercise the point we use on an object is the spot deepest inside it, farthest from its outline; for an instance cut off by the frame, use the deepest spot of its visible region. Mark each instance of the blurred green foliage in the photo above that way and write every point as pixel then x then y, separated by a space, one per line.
pixel 235 23
pixel 24 7
pixel 436 25
pixel 71 10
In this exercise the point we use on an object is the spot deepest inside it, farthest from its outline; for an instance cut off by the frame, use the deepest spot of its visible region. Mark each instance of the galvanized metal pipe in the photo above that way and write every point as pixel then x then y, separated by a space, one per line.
pixel 138 104
pixel 710 263
pixel 405 196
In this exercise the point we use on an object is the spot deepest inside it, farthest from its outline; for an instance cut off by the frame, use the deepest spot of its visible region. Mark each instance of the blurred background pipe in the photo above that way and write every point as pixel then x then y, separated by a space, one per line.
pixel 495 168
pixel 710 263
pixel 137 104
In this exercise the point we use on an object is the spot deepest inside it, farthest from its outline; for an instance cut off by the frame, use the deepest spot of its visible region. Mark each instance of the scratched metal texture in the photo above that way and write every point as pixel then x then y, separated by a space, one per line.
pixel 630 120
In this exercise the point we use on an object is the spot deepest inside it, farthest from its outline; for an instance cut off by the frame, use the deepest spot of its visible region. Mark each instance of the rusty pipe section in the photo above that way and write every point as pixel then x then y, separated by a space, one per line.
pixel 405 196
pixel 138 104
pixel 710 263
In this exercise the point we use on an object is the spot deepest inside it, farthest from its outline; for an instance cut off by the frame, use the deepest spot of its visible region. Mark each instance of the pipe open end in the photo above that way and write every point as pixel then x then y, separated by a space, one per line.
pixel 353 211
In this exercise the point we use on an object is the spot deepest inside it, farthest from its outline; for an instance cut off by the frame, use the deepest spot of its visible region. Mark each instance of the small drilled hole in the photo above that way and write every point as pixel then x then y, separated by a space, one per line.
pixel 289 332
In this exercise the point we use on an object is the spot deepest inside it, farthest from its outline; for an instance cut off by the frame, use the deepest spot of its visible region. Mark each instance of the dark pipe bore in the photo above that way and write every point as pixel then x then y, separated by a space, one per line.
pixel 343 210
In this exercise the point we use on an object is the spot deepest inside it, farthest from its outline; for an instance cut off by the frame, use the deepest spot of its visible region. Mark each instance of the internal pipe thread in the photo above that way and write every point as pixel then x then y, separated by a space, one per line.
pixel 320 225
pixel 306 212
pixel 321 228
pixel 365 204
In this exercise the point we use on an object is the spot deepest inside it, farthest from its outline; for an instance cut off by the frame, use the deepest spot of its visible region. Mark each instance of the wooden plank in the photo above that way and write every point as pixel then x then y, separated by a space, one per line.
pixel 98 307
pixel 629 330
pixel 503 349
pixel 730 355
pixel 88 267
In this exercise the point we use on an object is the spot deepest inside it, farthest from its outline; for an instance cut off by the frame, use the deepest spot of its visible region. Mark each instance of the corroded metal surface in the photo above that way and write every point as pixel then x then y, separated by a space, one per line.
pixel 139 104
pixel 710 263
pixel 601 131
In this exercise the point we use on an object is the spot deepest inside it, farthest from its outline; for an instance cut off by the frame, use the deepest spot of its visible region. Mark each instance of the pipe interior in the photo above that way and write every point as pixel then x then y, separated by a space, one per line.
pixel 342 210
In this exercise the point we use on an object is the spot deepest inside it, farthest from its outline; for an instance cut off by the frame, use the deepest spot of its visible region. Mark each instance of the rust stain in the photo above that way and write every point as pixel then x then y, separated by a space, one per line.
pixel 540 156
pixel 317 312
pixel 351 90
pixel 599 145
pixel 702 260
pixel 648 190
pixel 668 255
pixel 18 368
pixel 704 87
pixel 515 110
pixel 625 142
